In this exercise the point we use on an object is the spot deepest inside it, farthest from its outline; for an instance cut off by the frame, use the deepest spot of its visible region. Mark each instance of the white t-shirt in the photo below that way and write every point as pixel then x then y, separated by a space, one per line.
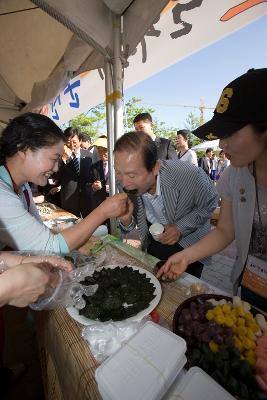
pixel 188 156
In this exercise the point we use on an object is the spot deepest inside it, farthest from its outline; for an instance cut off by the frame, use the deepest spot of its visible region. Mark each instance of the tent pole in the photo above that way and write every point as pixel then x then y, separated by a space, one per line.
pixel 114 106
pixel 117 77
pixel 109 121
pixel 110 134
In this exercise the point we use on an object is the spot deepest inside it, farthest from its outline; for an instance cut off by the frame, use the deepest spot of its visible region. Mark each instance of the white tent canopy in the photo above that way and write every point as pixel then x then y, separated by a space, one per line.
pixel 213 144
pixel 43 44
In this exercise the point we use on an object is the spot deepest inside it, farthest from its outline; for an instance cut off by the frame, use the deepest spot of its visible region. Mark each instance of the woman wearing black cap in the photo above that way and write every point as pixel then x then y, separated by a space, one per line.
pixel 240 122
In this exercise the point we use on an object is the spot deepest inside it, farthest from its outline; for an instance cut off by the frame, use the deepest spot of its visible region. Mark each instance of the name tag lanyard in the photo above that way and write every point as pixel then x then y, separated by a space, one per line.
pixel 17 189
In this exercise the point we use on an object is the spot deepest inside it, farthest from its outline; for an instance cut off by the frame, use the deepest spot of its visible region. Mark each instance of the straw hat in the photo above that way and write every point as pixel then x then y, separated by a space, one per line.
pixel 101 142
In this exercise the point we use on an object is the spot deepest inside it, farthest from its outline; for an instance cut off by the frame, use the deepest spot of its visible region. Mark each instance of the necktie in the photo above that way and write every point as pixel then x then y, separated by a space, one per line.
pixel 105 165
pixel 76 163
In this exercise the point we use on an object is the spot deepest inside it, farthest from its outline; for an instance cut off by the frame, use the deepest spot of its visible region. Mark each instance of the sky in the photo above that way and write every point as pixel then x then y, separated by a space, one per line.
pixel 209 69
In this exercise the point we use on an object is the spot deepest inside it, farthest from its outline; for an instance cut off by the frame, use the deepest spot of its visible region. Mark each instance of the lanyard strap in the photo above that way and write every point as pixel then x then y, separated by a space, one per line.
pixel 27 197
pixel 17 189
pixel 257 194
pixel 179 154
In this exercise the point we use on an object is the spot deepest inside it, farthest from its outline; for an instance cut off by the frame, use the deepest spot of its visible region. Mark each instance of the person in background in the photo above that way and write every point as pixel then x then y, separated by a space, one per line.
pixel 51 191
pixel 98 185
pixel 184 153
pixel 205 162
pixel 222 164
pixel 74 175
pixel 213 163
pixel 240 123
pixel 31 147
pixel 85 141
pixel 165 148
pixel 175 194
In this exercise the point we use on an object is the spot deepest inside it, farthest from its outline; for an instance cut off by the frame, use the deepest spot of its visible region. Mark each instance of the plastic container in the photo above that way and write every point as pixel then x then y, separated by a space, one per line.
pixel 144 368
pixel 156 230
pixel 197 385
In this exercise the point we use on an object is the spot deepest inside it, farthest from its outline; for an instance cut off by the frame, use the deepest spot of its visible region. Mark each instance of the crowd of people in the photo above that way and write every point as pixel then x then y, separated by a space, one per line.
pixel 171 187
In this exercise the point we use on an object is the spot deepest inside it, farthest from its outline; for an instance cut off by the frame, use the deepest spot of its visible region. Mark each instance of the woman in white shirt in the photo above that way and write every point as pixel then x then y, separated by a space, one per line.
pixel 184 153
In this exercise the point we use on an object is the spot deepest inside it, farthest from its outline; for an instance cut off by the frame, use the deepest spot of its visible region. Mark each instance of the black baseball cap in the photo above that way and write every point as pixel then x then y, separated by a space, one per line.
pixel 242 102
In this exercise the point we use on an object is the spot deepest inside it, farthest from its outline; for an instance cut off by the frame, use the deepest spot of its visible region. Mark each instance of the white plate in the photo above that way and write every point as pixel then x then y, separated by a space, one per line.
pixel 74 313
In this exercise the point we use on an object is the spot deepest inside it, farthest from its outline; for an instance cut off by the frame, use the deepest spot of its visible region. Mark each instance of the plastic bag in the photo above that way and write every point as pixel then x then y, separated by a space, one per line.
pixel 66 291
pixel 105 338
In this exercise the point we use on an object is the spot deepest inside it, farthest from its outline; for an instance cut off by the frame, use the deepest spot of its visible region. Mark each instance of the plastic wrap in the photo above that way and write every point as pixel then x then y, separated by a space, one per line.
pixel 105 338
pixel 66 290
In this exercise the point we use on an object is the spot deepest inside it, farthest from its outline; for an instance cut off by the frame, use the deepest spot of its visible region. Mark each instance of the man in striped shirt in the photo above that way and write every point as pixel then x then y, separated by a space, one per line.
pixel 178 195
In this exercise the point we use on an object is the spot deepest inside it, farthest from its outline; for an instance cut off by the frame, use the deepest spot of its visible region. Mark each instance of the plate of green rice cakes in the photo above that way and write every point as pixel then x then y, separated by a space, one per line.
pixel 123 293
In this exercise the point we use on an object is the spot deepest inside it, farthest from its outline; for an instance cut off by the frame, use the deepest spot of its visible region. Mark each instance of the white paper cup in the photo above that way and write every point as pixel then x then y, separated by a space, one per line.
pixel 156 230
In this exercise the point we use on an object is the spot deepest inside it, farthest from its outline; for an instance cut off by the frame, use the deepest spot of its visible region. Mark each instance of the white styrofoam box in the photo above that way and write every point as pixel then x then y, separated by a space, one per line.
pixel 143 368
pixel 197 385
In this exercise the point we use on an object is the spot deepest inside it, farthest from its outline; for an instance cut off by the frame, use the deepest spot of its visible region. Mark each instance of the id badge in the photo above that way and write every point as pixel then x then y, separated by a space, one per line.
pixel 255 276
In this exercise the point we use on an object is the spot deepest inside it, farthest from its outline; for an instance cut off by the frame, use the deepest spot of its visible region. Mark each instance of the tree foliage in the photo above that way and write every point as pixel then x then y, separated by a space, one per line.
pixel 94 121
pixel 95 124
pixel 132 108
pixel 192 122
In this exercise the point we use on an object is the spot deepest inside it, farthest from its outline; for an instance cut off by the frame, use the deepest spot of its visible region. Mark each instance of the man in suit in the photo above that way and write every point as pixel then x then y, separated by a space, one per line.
pixel 85 141
pixel 98 178
pixel 165 148
pixel 98 185
pixel 178 195
pixel 205 162
pixel 74 175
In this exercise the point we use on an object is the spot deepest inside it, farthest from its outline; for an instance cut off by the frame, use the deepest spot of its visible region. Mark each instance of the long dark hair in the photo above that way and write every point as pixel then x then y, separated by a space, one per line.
pixel 28 131
pixel 138 141
pixel 260 127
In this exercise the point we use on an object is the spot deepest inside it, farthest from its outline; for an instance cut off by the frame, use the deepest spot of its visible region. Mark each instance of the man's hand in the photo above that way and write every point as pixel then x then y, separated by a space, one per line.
pixel 55 190
pixel 171 234
pixel 67 153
